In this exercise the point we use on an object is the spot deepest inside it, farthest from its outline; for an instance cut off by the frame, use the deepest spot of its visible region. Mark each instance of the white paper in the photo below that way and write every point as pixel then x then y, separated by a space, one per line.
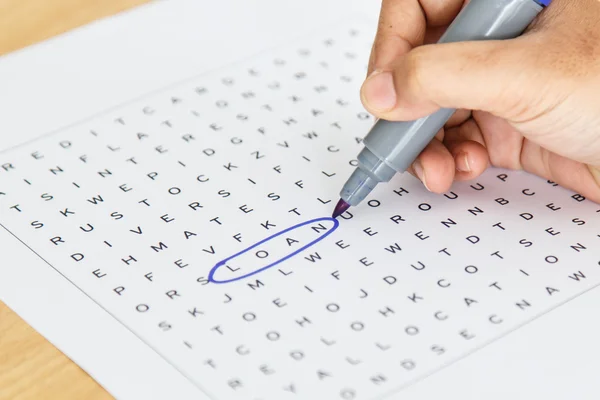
pixel 408 285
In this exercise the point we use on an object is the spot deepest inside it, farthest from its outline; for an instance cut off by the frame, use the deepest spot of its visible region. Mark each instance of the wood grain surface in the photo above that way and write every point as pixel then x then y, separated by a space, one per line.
pixel 31 367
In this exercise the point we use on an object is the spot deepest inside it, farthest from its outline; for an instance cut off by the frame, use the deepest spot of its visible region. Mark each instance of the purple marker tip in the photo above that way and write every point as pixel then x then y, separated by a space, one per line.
pixel 340 208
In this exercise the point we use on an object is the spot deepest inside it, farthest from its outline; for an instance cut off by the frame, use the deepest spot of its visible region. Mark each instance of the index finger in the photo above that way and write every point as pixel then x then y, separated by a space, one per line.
pixel 403 25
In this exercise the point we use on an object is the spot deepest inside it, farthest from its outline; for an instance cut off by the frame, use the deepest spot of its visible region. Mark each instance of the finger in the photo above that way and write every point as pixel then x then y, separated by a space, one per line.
pixel 567 173
pixel 441 135
pixel 480 75
pixel 433 35
pixel 401 27
pixel 435 167
pixel 403 24
pixel 467 147
pixel 469 130
pixel 503 141
pixel 471 159
pixel 458 118
pixel 439 20
pixel 441 12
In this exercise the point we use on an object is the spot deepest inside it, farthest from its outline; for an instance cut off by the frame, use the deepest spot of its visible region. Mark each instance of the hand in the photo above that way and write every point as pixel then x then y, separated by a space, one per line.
pixel 530 103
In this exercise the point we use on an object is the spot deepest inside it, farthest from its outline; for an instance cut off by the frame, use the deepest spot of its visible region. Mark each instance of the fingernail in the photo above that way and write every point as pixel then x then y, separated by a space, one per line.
pixel 462 162
pixel 379 92
pixel 420 172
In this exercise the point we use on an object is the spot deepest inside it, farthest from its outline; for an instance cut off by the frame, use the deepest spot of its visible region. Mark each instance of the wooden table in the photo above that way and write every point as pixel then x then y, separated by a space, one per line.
pixel 30 367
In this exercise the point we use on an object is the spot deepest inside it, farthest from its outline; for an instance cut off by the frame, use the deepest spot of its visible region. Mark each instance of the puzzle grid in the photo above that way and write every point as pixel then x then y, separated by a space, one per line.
pixel 136 206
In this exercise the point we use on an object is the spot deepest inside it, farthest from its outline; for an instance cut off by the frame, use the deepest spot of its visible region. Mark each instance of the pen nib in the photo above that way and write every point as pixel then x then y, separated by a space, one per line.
pixel 340 208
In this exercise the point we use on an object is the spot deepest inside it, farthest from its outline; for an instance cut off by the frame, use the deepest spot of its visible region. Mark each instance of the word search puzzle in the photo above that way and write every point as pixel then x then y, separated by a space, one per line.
pixel 198 217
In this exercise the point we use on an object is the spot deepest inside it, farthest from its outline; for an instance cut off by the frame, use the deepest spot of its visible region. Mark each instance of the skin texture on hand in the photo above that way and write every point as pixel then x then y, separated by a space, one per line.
pixel 530 103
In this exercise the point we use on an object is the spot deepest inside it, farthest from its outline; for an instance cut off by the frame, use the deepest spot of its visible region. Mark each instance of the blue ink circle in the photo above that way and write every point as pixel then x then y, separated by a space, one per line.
pixel 214 269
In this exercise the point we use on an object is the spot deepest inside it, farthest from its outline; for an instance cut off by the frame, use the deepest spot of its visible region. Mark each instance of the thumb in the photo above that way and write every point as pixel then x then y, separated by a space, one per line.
pixel 498 77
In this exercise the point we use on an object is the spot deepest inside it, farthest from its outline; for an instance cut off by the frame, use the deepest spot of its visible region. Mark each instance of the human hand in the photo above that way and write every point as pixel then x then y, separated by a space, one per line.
pixel 530 103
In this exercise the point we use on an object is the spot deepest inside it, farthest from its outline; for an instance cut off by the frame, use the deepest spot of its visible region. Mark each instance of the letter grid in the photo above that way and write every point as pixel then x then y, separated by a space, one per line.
pixel 198 216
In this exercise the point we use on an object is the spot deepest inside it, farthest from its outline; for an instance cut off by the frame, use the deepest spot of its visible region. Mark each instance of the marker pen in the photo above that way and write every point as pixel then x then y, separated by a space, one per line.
pixel 392 147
